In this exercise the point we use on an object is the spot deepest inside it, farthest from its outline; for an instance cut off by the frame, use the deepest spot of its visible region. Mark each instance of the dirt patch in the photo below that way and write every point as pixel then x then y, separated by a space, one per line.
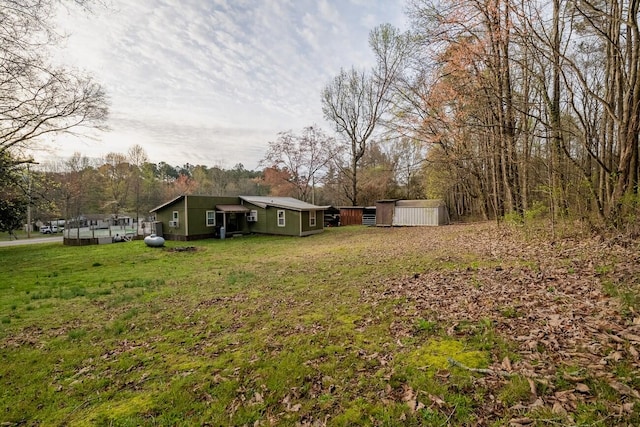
pixel 183 249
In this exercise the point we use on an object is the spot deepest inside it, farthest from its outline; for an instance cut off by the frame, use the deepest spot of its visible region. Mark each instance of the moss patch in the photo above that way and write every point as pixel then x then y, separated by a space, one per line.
pixel 435 355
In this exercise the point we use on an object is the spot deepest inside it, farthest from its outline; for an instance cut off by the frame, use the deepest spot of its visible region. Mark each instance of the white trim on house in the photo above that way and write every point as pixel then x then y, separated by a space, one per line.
pixel 281 218
pixel 208 218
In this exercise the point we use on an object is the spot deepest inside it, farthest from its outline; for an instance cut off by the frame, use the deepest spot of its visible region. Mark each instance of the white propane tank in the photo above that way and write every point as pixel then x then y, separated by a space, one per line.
pixel 154 241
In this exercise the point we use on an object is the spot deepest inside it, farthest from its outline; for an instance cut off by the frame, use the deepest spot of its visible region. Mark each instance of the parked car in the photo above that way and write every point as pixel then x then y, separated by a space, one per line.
pixel 46 229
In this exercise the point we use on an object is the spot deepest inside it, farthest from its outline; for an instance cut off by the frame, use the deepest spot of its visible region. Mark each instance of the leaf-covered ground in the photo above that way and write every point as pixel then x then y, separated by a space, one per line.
pixel 567 308
pixel 461 325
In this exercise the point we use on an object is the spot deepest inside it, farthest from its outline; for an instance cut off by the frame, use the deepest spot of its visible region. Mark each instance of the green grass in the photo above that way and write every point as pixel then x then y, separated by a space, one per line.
pixel 266 330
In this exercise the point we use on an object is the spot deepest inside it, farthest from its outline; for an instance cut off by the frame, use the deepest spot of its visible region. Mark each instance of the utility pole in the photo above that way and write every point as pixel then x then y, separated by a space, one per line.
pixel 29 199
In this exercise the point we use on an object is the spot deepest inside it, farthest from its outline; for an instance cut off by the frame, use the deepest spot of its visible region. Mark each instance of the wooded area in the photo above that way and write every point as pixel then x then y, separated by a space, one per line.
pixel 521 107
pixel 527 105
pixel 505 109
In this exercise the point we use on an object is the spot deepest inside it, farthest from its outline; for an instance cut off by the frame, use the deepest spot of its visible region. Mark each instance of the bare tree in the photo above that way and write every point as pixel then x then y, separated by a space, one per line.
pixel 137 158
pixel 117 175
pixel 357 100
pixel 303 156
pixel 35 97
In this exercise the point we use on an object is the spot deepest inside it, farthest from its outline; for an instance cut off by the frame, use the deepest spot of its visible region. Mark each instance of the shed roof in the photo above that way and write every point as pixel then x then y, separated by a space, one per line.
pixel 430 203
pixel 357 207
pixel 232 208
pixel 282 202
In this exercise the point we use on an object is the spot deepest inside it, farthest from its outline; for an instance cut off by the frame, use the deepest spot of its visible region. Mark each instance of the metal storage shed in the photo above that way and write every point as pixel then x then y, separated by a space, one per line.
pixel 411 213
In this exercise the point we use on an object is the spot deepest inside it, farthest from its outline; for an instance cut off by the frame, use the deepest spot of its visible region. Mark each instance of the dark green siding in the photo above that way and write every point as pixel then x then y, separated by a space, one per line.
pixel 165 215
pixel 296 223
pixel 192 219
pixel 307 228
pixel 192 224
pixel 198 207
pixel 261 225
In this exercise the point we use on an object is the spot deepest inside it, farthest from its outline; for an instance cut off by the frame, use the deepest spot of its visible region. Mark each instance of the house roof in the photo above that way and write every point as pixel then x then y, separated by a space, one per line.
pixel 261 201
pixel 170 202
pixel 232 208
pixel 282 202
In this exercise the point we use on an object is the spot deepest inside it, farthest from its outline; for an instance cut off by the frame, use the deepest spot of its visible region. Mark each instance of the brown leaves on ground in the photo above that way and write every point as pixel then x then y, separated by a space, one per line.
pixel 548 297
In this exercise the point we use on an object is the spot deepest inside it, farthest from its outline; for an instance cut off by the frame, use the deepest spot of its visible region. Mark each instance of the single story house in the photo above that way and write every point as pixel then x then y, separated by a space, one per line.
pixel 101 221
pixel 200 217
pixel 394 212
pixel 94 221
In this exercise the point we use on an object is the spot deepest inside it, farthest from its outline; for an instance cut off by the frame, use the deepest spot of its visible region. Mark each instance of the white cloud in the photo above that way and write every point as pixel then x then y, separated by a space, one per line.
pixel 207 82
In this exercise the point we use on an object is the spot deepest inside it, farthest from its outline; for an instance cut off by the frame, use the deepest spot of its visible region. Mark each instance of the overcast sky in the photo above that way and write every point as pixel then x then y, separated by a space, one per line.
pixel 212 82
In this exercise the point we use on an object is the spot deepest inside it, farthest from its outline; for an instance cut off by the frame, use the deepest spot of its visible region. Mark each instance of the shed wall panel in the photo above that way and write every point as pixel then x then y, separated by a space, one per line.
pixel 369 219
pixel 350 216
pixel 410 216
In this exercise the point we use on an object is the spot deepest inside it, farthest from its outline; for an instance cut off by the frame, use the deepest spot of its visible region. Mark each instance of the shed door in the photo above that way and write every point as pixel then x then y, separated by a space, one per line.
pixel 384 213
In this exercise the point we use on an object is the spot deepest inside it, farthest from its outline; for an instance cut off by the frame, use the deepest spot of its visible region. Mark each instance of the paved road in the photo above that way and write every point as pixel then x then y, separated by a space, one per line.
pixel 31 241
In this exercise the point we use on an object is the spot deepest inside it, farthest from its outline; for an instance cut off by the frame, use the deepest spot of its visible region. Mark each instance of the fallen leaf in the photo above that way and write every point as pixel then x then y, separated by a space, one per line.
pixel 506 364
pixel 554 320
pixel 537 404
pixel 633 352
pixel 532 387
pixel 630 337
pixel 408 394
pixel 435 399
pixel 616 356
pixel 624 389
pixel 582 388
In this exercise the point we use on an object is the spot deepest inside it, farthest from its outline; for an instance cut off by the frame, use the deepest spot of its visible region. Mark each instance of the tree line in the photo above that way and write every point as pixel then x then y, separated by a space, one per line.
pixel 129 184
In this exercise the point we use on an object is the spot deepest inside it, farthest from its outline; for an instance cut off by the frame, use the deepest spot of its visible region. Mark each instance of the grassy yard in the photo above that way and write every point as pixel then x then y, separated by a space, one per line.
pixel 457 325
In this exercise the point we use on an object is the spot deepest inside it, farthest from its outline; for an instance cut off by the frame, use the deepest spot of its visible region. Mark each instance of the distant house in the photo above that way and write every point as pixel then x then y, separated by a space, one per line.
pixel 93 221
pixel 102 221
pixel 201 217
pixel 396 212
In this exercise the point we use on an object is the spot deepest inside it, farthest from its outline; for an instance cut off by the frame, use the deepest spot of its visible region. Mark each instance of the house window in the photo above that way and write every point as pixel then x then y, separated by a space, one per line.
pixel 312 218
pixel 211 218
pixel 281 218
pixel 174 221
